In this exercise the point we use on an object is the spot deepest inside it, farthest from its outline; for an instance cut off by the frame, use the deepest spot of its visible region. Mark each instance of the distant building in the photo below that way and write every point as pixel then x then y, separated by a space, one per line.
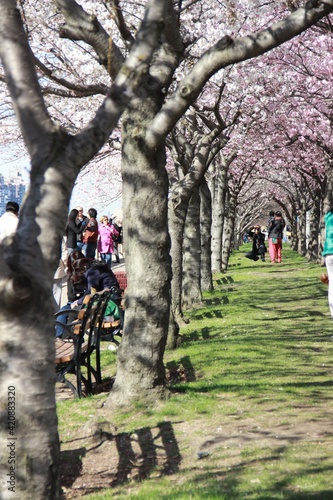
pixel 11 189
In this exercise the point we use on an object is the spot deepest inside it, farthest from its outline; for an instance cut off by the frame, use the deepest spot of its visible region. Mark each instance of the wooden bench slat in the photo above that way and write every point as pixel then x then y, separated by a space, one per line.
pixel 65 351
pixel 113 324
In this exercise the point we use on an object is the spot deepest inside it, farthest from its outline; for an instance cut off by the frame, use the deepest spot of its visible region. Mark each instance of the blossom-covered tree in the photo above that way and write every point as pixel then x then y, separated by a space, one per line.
pixel 173 55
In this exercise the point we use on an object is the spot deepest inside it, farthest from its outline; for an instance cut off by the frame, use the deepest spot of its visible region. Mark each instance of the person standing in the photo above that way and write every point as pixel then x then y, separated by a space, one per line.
pixel 81 222
pixel 71 231
pixel 328 254
pixel 269 223
pixel 276 234
pixel 60 276
pixel 90 234
pixel 118 239
pixel 105 245
pixel 9 220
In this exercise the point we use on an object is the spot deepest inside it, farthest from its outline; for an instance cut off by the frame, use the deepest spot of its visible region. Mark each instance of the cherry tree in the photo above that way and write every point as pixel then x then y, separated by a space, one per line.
pixel 159 69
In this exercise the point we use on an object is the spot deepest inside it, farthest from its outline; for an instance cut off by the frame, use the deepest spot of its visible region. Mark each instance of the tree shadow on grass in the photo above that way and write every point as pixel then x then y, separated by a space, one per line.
pixel 70 466
pixel 225 483
pixel 181 371
pixel 217 301
pixel 200 334
pixel 130 457
pixel 216 313
pixel 224 281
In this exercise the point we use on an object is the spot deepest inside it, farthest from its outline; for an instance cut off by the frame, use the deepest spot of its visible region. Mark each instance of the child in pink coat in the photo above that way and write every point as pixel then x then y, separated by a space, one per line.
pixel 105 245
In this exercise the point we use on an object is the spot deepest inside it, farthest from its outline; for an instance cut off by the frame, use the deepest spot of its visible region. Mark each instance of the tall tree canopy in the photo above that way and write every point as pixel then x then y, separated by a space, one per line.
pixel 72 70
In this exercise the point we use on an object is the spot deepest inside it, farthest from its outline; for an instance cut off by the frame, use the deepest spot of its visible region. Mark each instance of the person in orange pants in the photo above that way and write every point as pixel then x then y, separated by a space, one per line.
pixel 275 235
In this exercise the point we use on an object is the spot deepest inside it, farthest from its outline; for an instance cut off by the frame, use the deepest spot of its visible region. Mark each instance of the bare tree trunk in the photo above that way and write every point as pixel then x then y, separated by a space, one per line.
pixel 228 232
pixel 174 339
pixel 218 188
pixel 205 230
pixel 192 255
pixel 313 246
pixel 294 238
pixel 30 445
pixel 140 368
pixel 176 228
pixel 302 230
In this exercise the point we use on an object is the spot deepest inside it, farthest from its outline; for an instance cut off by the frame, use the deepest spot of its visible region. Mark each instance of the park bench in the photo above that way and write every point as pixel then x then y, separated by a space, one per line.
pixel 108 330
pixel 81 348
pixel 76 351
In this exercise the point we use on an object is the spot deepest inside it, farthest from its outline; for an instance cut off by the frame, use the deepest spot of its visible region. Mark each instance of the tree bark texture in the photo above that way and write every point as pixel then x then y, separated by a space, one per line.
pixel 228 231
pixel 140 369
pixel 313 244
pixel 219 189
pixel 176 229
pixel 206 238
pixel 302 229
pixel 191 293
pixel 28 438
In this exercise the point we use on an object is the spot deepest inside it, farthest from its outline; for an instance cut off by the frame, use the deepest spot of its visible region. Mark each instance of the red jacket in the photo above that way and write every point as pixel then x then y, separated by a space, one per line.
pixel 90 234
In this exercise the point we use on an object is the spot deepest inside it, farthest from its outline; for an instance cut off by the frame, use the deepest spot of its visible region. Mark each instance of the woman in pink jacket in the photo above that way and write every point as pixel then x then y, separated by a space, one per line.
pixel 105 245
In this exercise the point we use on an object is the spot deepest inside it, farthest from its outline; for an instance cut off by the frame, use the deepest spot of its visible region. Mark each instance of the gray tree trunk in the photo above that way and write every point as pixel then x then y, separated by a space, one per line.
pixel 148 264
pixel 176 228
pixel 312 253
pixel 228 232
pixel 206 238
pixel 192 296
pixel 302 230
pixel 218 189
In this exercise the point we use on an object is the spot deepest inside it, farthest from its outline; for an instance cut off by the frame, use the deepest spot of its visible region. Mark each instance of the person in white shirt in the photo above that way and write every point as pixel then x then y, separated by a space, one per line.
pixel 9 220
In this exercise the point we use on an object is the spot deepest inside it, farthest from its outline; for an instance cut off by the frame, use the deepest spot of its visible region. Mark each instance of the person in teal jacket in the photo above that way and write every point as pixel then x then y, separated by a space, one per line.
pixel 328 254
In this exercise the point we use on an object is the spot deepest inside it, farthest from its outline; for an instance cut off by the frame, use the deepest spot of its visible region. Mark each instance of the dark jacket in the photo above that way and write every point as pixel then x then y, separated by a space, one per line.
pixel 81 224
pixel 99 277
pixel 276 228
pixel 71 231
pixel 258 243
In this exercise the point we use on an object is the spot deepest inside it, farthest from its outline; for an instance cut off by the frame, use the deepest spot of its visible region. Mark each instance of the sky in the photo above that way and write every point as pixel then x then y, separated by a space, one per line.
pixel 10 168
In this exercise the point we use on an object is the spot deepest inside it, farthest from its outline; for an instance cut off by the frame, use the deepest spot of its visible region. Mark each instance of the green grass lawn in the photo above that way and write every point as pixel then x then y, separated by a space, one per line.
pixel 250 413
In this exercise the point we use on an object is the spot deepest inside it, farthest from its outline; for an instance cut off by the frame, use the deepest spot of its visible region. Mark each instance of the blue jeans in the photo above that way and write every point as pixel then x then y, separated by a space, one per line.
pixel 63 318
pixel 107 258
pixel 89 250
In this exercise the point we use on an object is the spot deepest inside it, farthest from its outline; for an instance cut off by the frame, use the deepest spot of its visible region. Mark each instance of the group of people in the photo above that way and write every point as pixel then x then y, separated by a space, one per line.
pixel 275 228
pixel 85 276
pixel 86 234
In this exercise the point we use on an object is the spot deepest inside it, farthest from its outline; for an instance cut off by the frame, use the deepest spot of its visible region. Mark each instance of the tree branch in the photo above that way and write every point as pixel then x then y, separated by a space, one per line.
pixel 81 26
pixel 226 52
